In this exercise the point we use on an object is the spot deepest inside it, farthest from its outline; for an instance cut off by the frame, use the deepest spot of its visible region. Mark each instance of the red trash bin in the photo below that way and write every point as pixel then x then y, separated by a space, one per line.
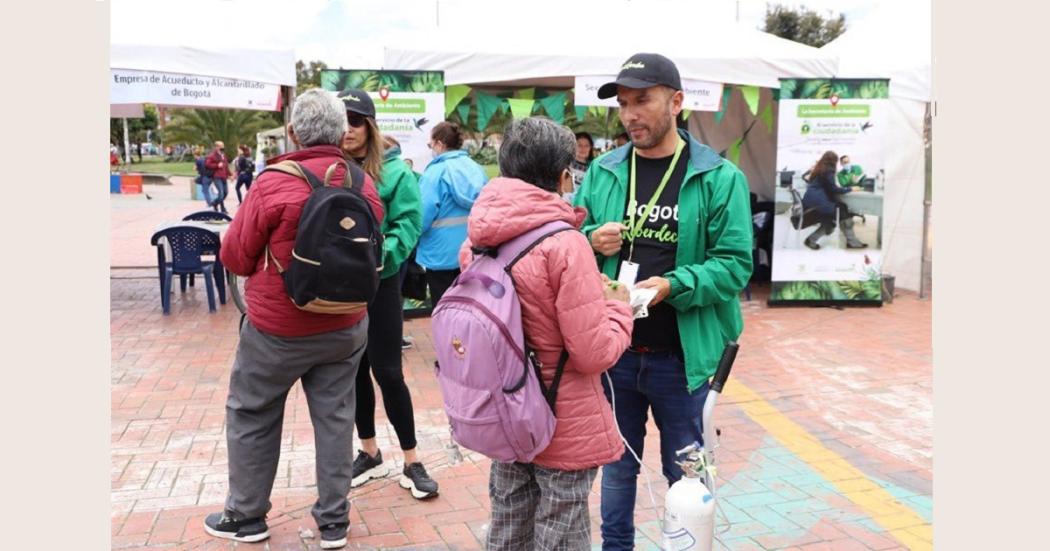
pixel 131 183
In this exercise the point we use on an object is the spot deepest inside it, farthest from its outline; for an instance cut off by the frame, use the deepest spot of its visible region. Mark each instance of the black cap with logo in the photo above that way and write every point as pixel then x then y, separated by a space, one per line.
pixel 643 71
pixel 358 101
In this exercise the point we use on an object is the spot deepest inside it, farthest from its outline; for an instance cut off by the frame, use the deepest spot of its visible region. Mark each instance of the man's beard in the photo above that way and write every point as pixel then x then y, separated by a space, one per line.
pixel 656 134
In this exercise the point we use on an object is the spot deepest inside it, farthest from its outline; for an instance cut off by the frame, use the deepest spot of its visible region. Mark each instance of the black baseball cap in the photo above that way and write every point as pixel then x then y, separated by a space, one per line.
pixel 358 101
pixel 643 71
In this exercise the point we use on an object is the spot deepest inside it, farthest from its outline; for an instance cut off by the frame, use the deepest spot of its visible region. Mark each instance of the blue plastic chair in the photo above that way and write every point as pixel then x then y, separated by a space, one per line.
pixel 208 215
pixel 188 244
pixel 220 273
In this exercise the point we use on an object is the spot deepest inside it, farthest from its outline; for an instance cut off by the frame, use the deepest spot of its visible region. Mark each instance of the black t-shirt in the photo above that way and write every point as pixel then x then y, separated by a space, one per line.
pixel 656 246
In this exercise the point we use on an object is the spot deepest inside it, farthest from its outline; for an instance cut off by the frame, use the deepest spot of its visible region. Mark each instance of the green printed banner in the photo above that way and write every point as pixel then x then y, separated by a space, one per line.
pixel 830 133
pixel 407 105
pixel 835 111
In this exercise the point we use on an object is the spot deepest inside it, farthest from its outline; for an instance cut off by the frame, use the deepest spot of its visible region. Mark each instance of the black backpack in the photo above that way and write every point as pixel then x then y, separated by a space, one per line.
pixel 338 251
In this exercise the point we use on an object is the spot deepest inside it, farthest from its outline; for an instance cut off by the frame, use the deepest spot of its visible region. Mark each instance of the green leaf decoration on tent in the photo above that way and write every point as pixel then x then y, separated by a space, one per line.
pixel 554 106
pixel 487 106
pixel 426 81
pixel 751 97
pixel 767 117
pixel 581 112
pixel 520 108
pixel 734 151
pixel 453 95
pixel 787 88
pixel 463 110
pixel 525 93
pixel 724 106
pixel 685 114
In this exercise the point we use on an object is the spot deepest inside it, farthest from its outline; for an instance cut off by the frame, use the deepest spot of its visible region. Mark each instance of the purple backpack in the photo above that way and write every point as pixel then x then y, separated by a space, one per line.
pixel 495 399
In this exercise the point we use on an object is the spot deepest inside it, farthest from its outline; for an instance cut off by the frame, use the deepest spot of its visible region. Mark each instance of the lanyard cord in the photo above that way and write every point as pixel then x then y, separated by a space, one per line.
pixel 635 228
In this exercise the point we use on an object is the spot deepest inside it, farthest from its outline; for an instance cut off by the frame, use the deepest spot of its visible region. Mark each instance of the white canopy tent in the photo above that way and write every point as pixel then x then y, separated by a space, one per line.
pixel 271 66
pixel 894 42
pixel 265 69
pixel 726 53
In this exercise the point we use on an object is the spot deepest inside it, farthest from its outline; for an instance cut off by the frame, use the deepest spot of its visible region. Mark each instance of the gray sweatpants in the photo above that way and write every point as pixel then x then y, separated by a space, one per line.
pixel 538 508
pixel 265 368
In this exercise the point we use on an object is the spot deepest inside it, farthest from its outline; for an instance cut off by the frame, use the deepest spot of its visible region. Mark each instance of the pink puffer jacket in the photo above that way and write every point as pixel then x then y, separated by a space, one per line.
pixel 563 306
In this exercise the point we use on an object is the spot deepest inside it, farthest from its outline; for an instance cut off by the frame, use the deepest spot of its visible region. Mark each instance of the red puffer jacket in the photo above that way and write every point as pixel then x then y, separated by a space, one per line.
pixel 213 161
pixel 562 307
pixel 270 216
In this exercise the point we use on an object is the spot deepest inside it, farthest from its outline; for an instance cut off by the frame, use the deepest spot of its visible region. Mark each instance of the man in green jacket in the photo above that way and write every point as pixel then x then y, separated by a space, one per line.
pixel 667 213
pixel 851 174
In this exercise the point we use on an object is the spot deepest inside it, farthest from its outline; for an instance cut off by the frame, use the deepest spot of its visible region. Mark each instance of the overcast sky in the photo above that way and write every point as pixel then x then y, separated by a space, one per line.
pixel 353 33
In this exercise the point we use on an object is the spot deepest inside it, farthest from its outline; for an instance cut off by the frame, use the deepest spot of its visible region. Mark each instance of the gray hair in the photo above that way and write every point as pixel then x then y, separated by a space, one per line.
pixel 536 150
pixel 318 118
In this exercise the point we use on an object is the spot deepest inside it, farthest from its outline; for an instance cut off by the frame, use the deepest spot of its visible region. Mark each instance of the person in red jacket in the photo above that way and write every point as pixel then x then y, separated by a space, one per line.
pixel 566 304
pixel 281 344
pixel 220 172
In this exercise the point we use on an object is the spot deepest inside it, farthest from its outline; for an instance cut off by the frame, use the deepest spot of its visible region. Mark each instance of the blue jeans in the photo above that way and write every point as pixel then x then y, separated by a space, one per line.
pixel 205 183
pixel 221 190
pixel 642 381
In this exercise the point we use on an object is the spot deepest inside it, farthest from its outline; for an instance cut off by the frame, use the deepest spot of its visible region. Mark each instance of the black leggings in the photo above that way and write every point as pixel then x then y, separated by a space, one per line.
pixel 439 281
pixel 383 359
pixel 243 180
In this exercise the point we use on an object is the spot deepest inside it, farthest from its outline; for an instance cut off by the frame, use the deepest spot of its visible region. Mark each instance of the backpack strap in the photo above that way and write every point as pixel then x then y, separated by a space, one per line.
pixel 299 171
pixel 546 230
pixel 354 179
pixel 551 227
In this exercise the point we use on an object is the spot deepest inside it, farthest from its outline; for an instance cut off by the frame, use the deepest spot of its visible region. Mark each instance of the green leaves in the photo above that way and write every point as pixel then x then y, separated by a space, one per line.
pixel 205 126
pixel 828 290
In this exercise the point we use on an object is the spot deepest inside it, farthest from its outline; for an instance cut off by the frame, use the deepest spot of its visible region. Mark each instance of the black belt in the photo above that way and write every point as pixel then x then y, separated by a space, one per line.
pixel 650 350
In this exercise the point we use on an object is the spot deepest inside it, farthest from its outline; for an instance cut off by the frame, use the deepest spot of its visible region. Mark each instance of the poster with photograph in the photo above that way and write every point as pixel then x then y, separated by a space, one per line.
pixel 831 159
pixel 408 105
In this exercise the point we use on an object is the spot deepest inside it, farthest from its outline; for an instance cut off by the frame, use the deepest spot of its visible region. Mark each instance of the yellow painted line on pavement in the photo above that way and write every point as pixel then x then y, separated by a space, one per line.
pixel 897 519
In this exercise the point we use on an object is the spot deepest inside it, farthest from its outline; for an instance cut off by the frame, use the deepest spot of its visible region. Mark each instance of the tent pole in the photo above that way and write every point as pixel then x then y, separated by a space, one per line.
pixel 926 275
pixel 127 143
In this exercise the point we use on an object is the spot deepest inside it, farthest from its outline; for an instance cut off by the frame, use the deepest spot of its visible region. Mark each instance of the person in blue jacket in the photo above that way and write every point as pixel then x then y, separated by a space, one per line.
pixel 821 202
pixel 449 186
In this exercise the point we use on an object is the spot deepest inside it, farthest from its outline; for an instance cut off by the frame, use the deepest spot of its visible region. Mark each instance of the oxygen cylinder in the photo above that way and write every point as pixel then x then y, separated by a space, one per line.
pixel 689 516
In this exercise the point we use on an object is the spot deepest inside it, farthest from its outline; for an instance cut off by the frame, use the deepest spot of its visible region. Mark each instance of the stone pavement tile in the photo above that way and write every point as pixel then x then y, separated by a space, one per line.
pixel 863 392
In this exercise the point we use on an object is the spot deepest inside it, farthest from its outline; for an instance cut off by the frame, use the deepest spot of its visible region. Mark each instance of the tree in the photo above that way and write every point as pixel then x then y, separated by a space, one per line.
pixel 137 128
pixel 308 75
pixel 205 126
pixel 803 25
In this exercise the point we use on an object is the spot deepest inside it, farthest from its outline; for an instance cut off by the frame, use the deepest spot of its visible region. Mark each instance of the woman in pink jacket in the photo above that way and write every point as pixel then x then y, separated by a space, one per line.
pixel 566 304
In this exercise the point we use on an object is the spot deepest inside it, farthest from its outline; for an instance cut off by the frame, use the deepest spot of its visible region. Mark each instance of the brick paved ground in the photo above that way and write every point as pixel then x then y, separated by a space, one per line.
pixel 826 426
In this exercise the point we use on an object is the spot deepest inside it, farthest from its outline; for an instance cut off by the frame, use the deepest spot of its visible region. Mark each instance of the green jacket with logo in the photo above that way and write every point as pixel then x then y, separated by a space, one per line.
pixel 714 246
pixel 403 223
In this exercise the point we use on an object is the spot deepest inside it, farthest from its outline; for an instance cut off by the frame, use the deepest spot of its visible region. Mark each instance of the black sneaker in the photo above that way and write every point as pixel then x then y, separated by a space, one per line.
pixel 812 245
pixel 224 525
pixel 333 536
pixel 416 479
pixel 366 468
